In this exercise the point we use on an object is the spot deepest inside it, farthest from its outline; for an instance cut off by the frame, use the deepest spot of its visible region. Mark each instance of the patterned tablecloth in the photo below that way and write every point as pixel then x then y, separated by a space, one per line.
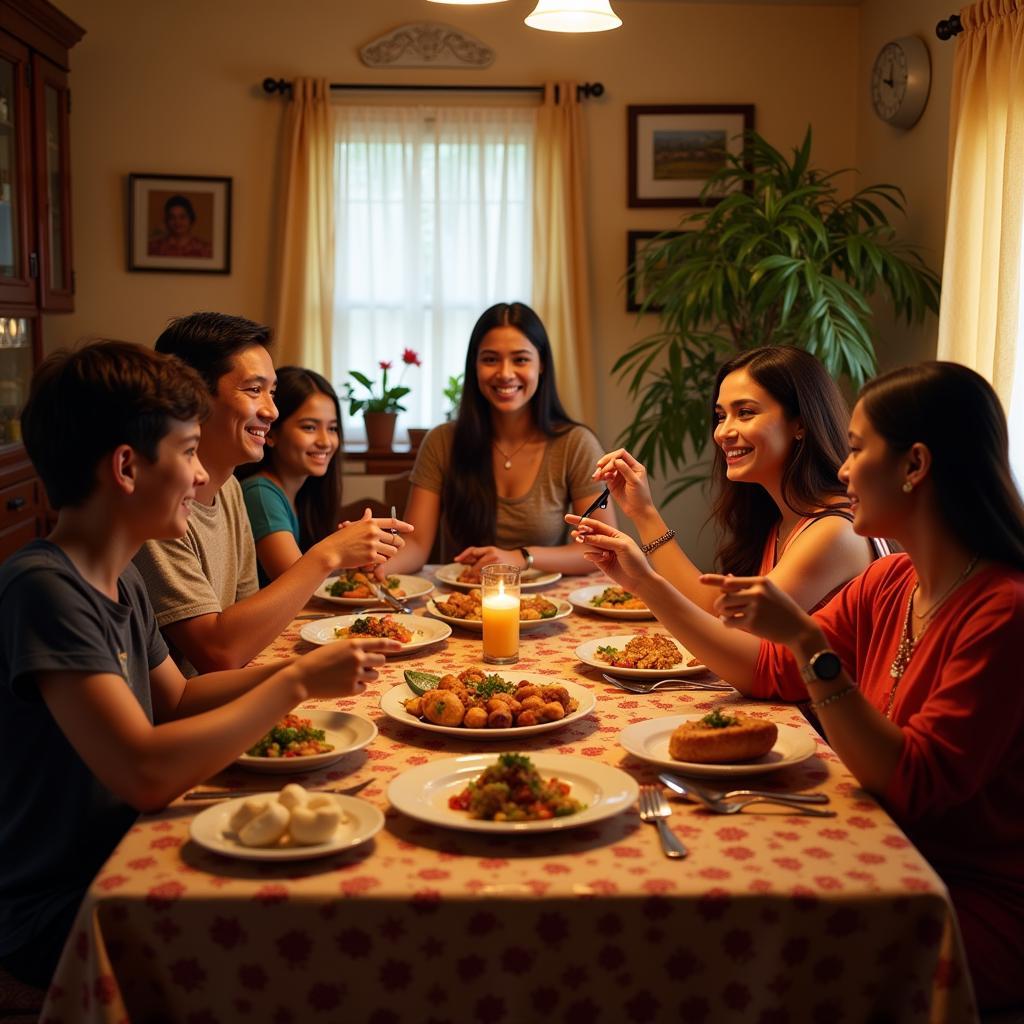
pixel 772 918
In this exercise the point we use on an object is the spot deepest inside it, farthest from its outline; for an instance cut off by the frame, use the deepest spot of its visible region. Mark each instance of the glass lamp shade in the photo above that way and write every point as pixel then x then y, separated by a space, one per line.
pixel 573 16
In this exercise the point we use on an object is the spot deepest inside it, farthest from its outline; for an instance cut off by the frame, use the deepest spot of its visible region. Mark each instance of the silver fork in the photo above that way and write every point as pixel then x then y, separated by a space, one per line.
pixel 635 686
pixel 733 794
pixel 654 809
pixel 720 806
pixel 230 794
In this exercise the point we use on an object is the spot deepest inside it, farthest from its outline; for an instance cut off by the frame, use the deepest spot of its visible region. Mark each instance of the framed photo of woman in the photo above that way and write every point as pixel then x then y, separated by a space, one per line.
pixel 179 224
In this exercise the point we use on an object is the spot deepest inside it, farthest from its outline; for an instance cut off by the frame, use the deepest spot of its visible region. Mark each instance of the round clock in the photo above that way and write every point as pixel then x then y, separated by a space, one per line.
pixel 900 80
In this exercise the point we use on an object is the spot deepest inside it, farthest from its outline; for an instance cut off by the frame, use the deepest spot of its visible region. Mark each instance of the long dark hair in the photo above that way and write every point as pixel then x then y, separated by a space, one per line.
pixel 319 499
pixel 745 513
pixel 932 404
pixel 469 499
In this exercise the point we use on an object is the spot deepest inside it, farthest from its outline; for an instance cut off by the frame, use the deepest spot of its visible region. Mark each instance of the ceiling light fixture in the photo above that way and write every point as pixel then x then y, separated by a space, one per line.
pixel 573 16
pixel 468 3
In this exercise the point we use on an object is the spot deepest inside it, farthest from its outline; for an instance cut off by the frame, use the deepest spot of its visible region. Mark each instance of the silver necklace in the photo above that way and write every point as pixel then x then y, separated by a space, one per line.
pixel 508 458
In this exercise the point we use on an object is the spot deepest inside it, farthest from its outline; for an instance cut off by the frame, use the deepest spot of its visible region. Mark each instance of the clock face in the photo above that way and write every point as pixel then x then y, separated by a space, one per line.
pixel 889 81
pixel 900 81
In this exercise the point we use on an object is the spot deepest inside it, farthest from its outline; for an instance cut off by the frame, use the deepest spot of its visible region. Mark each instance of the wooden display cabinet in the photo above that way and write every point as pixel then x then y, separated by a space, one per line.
pixel 36 269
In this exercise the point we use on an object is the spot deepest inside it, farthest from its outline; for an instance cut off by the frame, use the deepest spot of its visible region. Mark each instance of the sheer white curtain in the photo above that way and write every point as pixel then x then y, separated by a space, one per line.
pixel 434 215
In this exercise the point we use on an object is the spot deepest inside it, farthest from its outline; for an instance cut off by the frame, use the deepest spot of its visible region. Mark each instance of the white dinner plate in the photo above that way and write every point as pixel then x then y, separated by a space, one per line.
pixel 414 586
pixel 423 792
pixel 587 653
pixel 210 829
pixel 531 580
pixel 393 705
pixel 649 742
pixel 525 625
pixel 581 599
pixel 424 631
pixel 346 731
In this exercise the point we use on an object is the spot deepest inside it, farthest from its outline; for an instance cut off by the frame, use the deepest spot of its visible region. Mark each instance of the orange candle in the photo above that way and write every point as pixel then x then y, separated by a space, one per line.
pixel 500 613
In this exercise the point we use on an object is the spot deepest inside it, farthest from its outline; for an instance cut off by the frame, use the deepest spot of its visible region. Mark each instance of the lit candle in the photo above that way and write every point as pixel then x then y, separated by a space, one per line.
pixel 500 613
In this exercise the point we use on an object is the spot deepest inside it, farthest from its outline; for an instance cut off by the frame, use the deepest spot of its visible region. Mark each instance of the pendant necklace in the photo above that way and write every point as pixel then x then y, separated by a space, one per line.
pixel 508 458
pixel 908 642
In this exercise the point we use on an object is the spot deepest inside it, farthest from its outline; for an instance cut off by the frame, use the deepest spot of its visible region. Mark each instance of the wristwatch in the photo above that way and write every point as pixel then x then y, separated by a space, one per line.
pixel 823 667
pixel 525 552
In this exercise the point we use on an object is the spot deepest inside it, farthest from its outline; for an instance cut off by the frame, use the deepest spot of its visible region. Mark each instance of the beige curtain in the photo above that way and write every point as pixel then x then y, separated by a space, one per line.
pixel 560 290
pixel 981 283
pixel 305 296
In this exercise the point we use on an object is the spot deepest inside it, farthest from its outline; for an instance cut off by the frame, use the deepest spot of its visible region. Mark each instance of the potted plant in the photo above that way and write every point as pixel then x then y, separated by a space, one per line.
pixel 454 395
pixel 380 411
pixel 781 260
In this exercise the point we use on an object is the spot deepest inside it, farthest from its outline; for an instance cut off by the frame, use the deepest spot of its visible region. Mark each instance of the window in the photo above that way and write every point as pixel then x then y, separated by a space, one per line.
pixel 1015 414
pixel 434 226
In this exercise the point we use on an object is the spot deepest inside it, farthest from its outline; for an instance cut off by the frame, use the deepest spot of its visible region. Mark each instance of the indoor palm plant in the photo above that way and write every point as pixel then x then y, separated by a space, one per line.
pixel 781 260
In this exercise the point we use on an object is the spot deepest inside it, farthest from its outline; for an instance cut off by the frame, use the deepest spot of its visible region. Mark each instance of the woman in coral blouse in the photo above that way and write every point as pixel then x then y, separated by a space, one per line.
pixel 914 669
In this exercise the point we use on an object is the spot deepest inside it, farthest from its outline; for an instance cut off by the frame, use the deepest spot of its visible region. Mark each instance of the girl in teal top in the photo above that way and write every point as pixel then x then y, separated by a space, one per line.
pixel 294 495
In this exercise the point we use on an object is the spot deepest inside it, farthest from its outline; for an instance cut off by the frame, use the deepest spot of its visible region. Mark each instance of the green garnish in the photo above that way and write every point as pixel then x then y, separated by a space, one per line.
pixel 420 682
pixel 342 586
pixel 493 684
pixel 610 652
pixel 716 720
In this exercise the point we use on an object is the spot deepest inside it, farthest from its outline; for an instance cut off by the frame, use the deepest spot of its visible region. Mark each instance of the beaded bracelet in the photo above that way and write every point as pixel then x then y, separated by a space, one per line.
pixel 832 698
pixel 657 542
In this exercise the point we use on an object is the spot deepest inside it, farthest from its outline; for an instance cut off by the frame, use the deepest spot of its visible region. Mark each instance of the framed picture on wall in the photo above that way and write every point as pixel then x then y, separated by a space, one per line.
pixel 638 279
pixel 179 224
pixel 673 150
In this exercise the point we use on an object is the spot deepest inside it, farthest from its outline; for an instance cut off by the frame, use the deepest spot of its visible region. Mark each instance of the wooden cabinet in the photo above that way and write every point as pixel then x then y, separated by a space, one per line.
pixel 36 271
pixel 36 268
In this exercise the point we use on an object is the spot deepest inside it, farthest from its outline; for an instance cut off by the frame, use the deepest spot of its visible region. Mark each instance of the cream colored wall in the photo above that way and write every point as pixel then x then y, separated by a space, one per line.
pixel 915 159
pixel 174 88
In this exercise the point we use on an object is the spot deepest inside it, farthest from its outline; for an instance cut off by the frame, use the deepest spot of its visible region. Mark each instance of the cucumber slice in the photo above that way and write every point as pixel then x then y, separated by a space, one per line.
pixel 420 682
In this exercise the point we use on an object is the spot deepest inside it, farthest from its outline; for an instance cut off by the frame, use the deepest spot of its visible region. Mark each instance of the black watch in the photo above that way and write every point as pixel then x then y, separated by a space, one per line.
pixel 823 667
pixel 528 558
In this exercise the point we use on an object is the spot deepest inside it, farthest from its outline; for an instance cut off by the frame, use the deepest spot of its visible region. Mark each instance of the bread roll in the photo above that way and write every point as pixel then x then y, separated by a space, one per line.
pixel 266 828
pixel 246 811
pixel 720 738
pixel 312 825
pixel 292 796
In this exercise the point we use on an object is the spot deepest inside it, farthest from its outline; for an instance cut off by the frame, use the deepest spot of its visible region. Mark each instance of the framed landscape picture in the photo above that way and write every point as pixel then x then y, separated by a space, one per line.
pixel 673 150
pixel 638 283
pixel 179 224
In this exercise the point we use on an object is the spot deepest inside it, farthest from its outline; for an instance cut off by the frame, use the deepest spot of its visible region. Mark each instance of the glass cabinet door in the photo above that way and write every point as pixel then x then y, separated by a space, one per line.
pixel 53 186
pixel 17 336
pixel 16 283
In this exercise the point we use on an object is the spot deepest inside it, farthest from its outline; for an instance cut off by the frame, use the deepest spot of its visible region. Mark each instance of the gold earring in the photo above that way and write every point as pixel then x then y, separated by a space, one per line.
pixel 907 486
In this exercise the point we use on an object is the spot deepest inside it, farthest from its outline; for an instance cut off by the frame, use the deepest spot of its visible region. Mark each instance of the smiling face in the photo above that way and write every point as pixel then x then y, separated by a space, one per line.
pixel 177 221
pixel 508 369
pixel 165 489
pixel 873 474
pixel 753 431
pixel 241 411
pixel 304 443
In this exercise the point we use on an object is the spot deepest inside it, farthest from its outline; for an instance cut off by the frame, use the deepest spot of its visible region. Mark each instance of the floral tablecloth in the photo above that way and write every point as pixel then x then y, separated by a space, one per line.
pixel 772 918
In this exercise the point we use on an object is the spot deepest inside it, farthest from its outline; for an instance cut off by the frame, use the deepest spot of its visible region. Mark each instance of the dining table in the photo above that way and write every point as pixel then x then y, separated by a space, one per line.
pixel 772 917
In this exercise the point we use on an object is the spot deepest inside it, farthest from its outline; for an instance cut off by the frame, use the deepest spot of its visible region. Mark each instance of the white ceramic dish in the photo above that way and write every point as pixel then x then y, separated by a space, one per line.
pixel 423 792
pixel 414 586
pixel 210 830
pixel 580 599
pixel 345 731
pixel 424 631
pixel 393 705
pixel 649 742
pixel 525 625
pixel 587 653
pixel 449 576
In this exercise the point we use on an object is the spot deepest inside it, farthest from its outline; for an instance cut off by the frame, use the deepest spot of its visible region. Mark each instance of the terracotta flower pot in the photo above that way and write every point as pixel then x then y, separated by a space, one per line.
pixel 380 430
pixel 416 435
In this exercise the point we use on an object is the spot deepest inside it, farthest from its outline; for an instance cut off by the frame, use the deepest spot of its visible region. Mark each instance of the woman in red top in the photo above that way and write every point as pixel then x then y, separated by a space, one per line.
pixel 914 668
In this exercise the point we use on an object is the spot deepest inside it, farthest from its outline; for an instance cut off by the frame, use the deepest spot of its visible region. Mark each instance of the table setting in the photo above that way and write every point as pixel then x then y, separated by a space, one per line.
pixel 770 889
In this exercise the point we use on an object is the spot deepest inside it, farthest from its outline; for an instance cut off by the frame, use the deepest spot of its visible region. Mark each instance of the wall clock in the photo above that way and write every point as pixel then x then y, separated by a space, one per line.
pixel 900 81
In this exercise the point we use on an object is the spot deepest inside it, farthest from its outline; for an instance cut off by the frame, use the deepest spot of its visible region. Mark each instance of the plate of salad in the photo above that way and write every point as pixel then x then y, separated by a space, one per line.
pixel 306 740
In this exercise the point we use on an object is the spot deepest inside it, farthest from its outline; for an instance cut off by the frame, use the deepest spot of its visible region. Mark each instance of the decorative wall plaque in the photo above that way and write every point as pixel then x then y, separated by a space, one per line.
pixel 427 44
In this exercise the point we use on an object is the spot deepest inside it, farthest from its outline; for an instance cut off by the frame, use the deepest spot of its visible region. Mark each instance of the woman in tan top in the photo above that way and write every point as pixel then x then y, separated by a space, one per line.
pixel 499 480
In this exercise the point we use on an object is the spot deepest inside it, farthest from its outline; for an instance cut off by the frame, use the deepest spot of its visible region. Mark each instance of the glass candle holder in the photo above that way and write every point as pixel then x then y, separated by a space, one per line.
pixel 500 611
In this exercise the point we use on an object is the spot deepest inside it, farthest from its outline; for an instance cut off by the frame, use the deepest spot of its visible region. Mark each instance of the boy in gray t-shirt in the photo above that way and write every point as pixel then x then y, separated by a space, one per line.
pixel 97 723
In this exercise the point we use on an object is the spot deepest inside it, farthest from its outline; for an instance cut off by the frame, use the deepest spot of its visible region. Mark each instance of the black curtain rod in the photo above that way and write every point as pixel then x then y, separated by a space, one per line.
pixel 583 91
pixel 949 27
